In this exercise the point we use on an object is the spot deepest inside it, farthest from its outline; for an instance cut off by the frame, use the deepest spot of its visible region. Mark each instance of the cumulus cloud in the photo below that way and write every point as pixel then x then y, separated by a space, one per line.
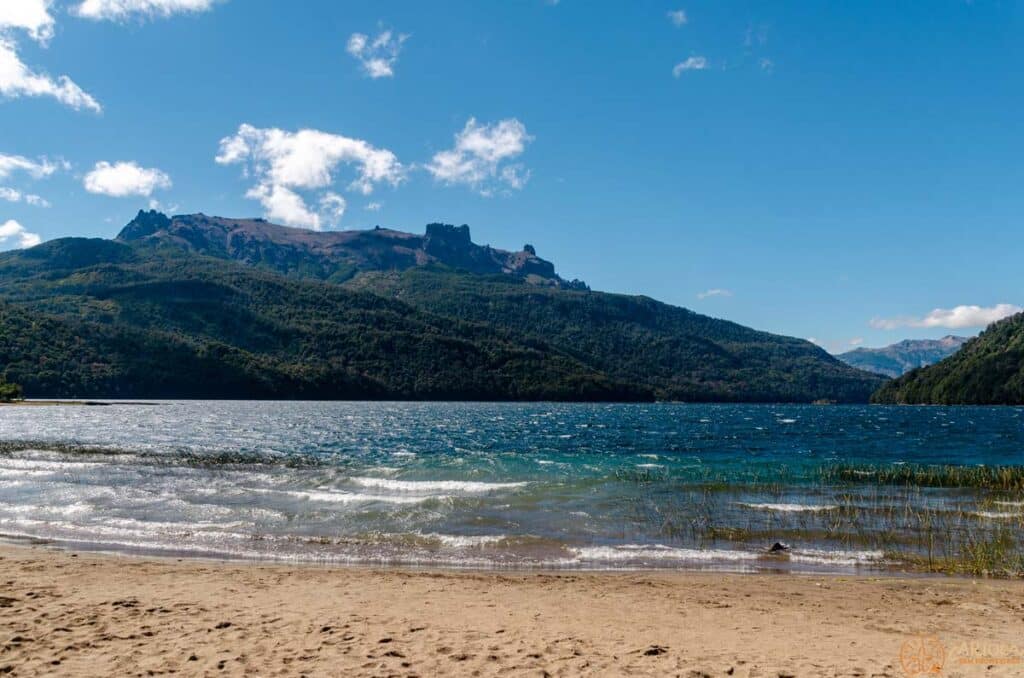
pixel 18 80
pixel 120 10
pixel 955 318
pixel 379 55
pixel 31 16
pixel 481 154
pixel 283 163
pixel 14 234
pixel 124 179
pixel 678 18
pixel 714 292
pixel 694 63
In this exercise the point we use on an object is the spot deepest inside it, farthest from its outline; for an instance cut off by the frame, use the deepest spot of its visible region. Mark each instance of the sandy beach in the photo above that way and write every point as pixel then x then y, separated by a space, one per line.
pixel 64 613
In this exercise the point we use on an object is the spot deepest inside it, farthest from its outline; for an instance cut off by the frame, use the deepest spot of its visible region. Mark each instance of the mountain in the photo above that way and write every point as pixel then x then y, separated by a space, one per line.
pixel 197 306
pixel 337 256
pixel 987 370
pixel 898 359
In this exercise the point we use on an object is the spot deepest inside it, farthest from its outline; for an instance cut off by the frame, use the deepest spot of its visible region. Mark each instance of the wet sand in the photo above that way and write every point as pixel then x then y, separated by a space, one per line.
pixel 86 614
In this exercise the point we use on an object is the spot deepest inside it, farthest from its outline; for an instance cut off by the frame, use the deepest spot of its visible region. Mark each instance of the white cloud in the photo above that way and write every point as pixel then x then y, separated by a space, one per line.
pixel 678 18
pixel 14 195
pixel 284 162
pixel 120 10
pixel 766 64
pixel 378 56
pixel 694 63
pixel 332 208
pixel 123 179
pixel 951 318
pixel 373 207
pixel 31 16
pixel 17 80
pixel 480 154
pixel 13 231
pixel 856 341
pixel 714 292
pixel 37 169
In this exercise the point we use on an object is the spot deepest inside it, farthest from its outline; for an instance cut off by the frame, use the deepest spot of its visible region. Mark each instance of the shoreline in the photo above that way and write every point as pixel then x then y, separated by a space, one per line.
pixel 85 613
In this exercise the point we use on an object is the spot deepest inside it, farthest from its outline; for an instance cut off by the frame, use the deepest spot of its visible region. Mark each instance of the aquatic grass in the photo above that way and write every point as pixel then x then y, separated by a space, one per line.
pixel 921 528
pixel 1009 479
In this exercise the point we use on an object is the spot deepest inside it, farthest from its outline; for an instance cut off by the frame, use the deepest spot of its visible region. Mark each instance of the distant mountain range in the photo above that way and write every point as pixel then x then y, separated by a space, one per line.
pixel 898 359
pixel 987 370
pixel 207 307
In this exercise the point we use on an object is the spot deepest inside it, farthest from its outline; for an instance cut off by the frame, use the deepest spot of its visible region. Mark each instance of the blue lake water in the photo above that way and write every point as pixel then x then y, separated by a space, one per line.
pixel 496 485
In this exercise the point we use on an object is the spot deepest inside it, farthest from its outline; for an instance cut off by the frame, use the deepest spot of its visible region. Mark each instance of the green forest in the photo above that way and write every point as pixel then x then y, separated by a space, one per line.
pixel 988 370
pixel 92 318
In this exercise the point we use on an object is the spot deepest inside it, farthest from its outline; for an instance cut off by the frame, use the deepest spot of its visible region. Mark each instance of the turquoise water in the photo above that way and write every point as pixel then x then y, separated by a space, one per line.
pixel 495 485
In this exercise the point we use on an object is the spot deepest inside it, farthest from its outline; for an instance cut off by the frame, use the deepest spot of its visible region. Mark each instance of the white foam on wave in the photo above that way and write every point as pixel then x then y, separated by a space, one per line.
pixel 432 485
pixel 650 466
pixel 1010 503
pixel 826 557
pixel 326 496
pixel 641 552
pixel 38 509
pixel 789 508
pixel 464 541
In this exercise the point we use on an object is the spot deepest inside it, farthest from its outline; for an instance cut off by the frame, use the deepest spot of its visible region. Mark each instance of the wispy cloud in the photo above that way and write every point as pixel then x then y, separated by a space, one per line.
pixel 678 18
pixel 124 179
pixel 13 233
pixel 379 55
pixel 37 169
pixel 694 63
pixel 121 10
pixel 14 195
pixel 18 80
pixel 958 317
pixel 480 157
pixel 284 163
pixel 714 292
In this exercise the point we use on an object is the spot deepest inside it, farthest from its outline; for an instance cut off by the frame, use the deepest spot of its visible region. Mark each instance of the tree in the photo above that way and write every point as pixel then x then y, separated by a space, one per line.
pixel 9 392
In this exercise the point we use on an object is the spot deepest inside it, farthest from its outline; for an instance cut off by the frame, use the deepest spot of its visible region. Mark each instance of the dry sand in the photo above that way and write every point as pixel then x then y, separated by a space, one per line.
pixel 87 614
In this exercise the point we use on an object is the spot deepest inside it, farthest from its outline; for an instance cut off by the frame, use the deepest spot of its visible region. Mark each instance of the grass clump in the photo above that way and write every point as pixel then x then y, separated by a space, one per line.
pixel 1009 479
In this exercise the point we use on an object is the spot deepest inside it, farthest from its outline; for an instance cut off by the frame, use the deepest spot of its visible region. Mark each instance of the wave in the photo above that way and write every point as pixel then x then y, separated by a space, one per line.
pixel 464 541
pixel 326 496
pixel 789 508
pixel 432 485
pixel 640 552
pixel 826 557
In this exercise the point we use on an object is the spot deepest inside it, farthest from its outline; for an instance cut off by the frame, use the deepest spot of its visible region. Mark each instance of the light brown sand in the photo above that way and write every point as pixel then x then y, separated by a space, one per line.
pixel 65 614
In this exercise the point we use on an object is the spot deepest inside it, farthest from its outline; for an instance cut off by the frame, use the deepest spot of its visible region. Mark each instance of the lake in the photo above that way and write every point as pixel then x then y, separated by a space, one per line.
pixel 535 485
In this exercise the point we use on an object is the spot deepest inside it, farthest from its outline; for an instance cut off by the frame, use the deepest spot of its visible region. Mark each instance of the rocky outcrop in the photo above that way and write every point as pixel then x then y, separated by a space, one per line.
pixel 339 255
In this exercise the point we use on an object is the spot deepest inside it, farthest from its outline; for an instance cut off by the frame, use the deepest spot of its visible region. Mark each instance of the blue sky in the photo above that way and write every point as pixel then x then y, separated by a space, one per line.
pixel 850 172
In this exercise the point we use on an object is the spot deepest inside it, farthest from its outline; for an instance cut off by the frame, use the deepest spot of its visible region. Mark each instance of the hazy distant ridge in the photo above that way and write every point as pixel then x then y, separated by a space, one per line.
pixel 898 359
